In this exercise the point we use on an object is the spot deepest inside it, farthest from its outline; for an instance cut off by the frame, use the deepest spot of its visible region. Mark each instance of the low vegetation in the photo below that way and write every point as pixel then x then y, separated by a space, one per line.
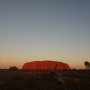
pixel 44 80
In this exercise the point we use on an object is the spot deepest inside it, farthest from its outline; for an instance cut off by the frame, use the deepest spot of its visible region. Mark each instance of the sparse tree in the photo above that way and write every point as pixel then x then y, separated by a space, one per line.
pixel 87 64
pixel 13 68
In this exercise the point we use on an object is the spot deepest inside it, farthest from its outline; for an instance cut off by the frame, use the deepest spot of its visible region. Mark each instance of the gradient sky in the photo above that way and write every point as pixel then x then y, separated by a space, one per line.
pixel 44 30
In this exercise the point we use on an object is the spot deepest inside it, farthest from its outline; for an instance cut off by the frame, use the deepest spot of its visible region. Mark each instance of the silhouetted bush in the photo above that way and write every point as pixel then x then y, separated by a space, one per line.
pixel 13 68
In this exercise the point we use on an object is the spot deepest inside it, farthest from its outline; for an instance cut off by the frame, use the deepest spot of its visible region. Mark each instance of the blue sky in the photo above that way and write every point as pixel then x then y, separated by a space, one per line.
pixel 44 29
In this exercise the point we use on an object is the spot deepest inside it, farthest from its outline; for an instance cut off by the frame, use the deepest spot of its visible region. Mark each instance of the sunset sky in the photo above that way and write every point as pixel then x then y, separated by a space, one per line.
pixel 44 30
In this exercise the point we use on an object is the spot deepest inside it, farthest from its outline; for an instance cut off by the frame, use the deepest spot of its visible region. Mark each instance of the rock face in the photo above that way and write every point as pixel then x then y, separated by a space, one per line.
pixel 46 65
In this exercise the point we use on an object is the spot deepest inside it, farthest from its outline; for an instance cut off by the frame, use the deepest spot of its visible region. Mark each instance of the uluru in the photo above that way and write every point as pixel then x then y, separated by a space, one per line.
pixel 45 65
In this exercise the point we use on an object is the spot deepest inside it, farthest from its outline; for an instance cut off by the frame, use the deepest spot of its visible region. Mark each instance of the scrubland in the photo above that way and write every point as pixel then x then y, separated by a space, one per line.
pixel 44 80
